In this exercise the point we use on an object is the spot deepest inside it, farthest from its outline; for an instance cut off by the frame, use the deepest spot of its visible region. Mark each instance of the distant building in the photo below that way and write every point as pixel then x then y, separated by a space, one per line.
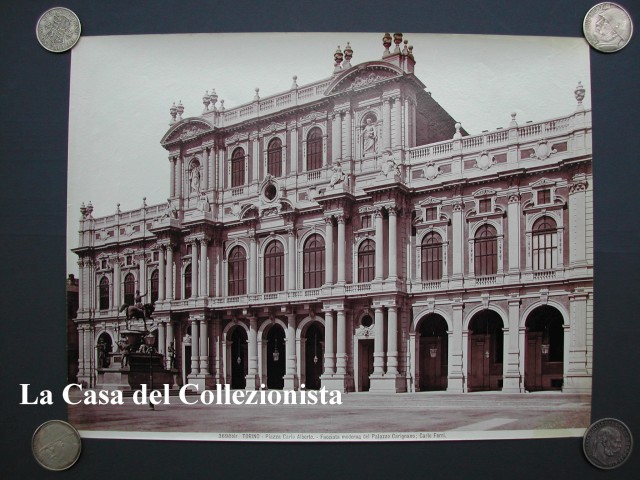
pixel 349 233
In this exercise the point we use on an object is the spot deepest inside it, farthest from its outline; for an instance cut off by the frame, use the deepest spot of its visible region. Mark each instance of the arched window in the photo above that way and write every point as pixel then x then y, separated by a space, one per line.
pixel 129 289
pixel 274 267
pixel 366 261
pixel 313 262
pixel 237 168
pixel 431 253
pixel 237 271
pixel 545 244
pixel 314 149
pixel 104 293
pixel 274 157
pixel 486 251
pixel 187 281
pixel 154 286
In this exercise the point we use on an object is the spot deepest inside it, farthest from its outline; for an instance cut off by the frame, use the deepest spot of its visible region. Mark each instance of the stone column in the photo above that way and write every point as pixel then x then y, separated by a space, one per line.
pixel 512 382
pixel 172 184
pixel 117 283
pixel 203 268
pixel 253 262
pixel 179 181
pixel 142 273
pixel 161 273
pixel 456 373
pixel 457 226
pixel 195 347
pixel 212 168
pixel 386 124
pixel 204 178
pixel 329 250
pixel 393 242
pixel 170 335
pixel 513 221
pixel 162 344
pixel 392 341
pixel 397 124
pixel 341 336
pixel 290 378
pixel 347 154
pixel 577 222
pixel 194 269
pixel 252 376
pixel 379 244
pixel 578 378
pixel 204 350
pixel 378 345
pixel 342 245
pixel 336 137
pixel 169 276
pixel 294 150
pixel 291 274
pixel 255 159
pixel 329 361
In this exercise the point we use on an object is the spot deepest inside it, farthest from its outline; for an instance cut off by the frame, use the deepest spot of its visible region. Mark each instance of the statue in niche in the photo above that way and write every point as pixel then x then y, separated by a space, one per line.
pixel 369 137
pixel 195 178
pixel 337 176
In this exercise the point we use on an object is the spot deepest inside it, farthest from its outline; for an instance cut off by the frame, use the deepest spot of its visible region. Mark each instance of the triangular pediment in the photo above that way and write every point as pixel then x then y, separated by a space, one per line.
pixel 363 76
pixel 188 129
pixel 543 182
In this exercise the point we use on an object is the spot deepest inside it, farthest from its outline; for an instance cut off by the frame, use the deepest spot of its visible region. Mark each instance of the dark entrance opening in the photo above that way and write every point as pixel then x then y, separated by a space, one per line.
pixel 314 356
pixel 433 353
pixel 276 358
pixel 485 351
pixel 104 348
pixel 239 361
pixel 365 355
pixel 544 350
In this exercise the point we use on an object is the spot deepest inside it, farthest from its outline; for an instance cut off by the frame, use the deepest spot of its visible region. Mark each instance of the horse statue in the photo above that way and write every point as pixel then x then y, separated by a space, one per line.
pixel 138 313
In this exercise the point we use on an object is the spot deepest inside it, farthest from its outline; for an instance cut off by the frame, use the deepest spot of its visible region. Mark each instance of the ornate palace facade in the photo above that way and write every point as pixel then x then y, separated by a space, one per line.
pixel 349 233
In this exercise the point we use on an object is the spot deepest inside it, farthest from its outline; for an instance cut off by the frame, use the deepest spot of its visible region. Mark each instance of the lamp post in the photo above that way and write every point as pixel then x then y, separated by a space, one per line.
pixel 150 341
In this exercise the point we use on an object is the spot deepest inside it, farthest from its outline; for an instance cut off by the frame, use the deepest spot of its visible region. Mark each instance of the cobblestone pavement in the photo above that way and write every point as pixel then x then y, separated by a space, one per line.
pixel 359 412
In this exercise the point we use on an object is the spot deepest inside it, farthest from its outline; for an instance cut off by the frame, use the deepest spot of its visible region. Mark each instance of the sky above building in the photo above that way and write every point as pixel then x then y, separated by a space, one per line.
pixel 123 86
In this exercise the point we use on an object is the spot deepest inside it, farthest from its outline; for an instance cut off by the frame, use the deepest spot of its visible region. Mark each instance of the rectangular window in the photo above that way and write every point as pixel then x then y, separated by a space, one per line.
pixel 430 214
pixel 237 171
pixel 366 221
pixel 544 197
pixel 156 256
pixel 484 205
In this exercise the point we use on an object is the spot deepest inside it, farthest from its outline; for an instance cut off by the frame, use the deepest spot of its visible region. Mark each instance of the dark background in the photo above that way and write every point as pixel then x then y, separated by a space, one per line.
pixel 33 150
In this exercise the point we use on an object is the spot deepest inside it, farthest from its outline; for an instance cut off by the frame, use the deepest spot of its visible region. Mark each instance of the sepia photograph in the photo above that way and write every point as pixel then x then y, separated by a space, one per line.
pixel 330 237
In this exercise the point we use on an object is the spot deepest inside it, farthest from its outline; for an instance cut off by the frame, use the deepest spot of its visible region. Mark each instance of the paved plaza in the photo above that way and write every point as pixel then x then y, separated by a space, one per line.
pixel 359 412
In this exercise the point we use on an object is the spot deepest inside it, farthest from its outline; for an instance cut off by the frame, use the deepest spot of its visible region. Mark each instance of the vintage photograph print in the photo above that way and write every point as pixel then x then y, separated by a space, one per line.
pixel 330 237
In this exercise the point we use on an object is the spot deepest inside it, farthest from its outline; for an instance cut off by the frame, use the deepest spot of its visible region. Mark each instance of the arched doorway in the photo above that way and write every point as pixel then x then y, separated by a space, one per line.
pixel 314 356
pixel 485 351
pixel 104 348
pixel 544 349
pixel 239 360
pixel 276 358
pixel 433 353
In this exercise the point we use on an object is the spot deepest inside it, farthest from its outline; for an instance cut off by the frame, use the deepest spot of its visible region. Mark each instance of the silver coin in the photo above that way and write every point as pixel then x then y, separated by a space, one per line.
pixel 607 443
pixel 58 29
pixel 607 27
pixel 56 445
